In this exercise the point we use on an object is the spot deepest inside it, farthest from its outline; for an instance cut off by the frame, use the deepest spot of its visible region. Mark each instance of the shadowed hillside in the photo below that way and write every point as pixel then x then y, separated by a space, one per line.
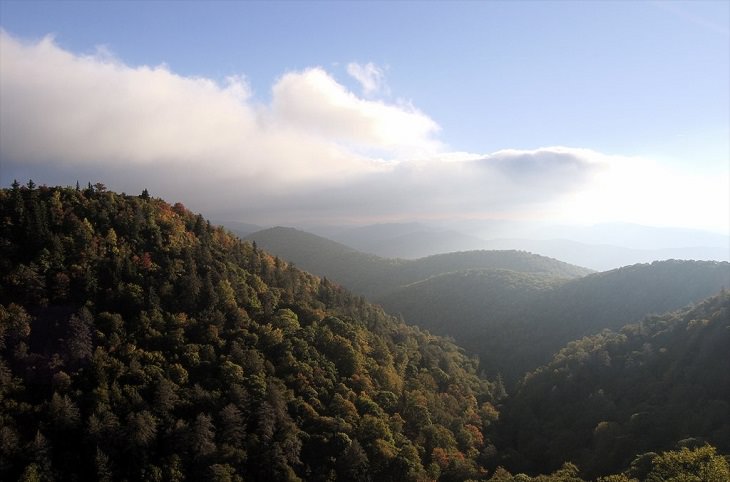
pixel 372 276
pixel 516 321
pixel 604 399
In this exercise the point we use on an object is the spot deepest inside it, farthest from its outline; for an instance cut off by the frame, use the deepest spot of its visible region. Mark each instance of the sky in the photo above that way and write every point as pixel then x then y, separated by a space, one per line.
pixel 363 112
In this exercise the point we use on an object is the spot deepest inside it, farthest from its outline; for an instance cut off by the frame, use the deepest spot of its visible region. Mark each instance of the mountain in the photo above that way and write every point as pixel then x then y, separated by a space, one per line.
pixel 600 247
pixel 519 261
pixel 139 342
pixel 362 273
pixel 604 399
pixel 516 321
pixel 373 276
pixel 604 257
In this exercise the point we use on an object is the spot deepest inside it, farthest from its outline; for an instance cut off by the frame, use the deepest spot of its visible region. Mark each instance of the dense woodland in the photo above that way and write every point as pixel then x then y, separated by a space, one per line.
pixel 604 400
pixel 138 342
pixel 516 321
pixel 514 309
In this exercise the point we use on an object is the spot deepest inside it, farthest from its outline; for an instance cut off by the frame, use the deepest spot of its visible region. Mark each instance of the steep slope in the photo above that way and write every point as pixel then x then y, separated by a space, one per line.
pixel 372 276
pixel 470 304
pixel 516 322
pixel 362 273
pixel 605 399
pixel 138 342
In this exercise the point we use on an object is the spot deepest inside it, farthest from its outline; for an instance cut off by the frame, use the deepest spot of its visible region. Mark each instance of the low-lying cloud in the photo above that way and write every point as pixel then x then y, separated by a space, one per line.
pixel 315 152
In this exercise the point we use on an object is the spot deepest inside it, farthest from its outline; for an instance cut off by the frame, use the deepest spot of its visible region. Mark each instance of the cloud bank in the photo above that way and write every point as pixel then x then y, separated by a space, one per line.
pixel 316 152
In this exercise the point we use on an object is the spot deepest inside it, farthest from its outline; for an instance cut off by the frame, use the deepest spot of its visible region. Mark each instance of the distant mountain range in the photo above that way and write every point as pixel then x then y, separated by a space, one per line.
pixel 600 247
pixel 603 257
pixel 373 276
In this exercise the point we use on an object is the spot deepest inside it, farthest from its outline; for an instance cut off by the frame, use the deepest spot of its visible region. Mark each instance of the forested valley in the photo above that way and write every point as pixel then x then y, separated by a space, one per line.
pixel 512 308
pixel 140 342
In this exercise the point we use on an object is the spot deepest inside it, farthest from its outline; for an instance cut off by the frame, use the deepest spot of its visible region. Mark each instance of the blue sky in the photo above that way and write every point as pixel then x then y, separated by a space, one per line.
pixel 574 102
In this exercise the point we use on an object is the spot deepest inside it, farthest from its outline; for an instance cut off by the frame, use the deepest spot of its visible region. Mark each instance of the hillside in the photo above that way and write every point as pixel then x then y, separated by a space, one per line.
pixel 605 399
pixel 373 276
pixel 139 342
pixel 362 273
pixel 515 322
pixel 488 300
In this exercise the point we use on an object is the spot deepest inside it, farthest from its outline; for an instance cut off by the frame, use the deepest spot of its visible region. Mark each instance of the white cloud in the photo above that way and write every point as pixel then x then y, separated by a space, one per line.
pixel 82 110
pixel 317 152
pixel 370 76
pixel 312 101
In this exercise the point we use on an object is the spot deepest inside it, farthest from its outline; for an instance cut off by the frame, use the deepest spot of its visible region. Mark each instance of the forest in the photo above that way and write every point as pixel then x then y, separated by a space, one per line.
pixel 140 342
pixel 513 309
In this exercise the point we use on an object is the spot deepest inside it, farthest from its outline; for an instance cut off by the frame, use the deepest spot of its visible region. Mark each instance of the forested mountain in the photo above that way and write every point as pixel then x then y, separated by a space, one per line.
pixel 374 276
pixel 513 320
pixel 362 273
pixel 600 247
pixel 138 342
pixel 607 398
pixel 516 321
pixel 519 261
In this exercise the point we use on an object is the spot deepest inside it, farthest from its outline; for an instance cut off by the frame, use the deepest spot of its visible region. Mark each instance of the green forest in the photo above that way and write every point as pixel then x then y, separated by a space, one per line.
pixel 513 309
pixel 140 342
pixel 515 321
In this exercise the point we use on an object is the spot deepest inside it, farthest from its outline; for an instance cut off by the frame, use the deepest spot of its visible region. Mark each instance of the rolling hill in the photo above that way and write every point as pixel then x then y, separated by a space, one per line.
pixel 512 308
pixel 373 276
pixel 599 247
pixel 516 321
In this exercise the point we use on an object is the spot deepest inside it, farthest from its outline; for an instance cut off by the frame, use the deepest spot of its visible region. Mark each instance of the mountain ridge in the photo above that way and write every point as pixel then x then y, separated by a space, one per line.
pixel 515 330
pixel 371 275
